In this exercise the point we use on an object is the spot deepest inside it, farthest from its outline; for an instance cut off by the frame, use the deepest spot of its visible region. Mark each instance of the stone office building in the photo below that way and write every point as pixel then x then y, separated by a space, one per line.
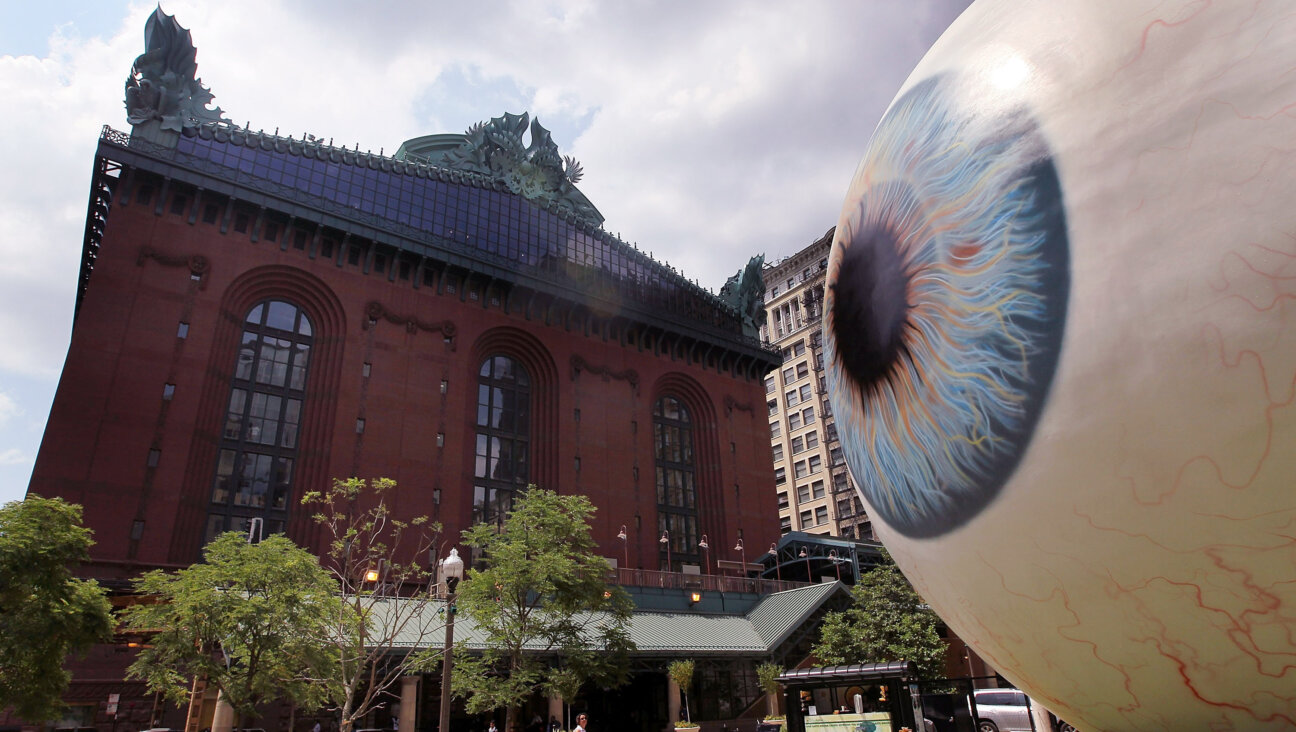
pixel 815 491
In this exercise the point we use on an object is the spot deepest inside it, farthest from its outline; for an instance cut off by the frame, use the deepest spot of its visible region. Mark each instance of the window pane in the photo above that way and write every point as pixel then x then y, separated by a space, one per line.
pixel 282 316
pixel 300 361
pixel 243 369
pixel 282 479
pixel 234 416
pixel 215 527
pixel 224 471
pixel 292 417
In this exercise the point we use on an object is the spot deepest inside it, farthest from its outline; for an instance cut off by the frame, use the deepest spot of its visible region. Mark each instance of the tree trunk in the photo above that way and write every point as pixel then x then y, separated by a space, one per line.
pixel 511 719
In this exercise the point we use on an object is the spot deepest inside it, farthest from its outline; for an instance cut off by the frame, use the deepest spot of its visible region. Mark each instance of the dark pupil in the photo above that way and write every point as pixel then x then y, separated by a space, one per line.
pixel 869 306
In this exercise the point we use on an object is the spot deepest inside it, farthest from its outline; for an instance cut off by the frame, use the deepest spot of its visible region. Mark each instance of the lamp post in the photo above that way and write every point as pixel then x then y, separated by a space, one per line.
pixel 665 539
pixel 625 544
pixel 832 554
pixel 452 570
pixel 778 568
pixel 706 551
pixel 804 555
pixel 742 552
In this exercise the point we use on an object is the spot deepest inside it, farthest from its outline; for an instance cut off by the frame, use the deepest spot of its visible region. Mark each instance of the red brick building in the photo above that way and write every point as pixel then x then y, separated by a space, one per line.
pixel 259 314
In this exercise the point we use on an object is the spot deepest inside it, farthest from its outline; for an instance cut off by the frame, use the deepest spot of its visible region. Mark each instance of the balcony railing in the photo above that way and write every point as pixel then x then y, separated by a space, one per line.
pixel 702 582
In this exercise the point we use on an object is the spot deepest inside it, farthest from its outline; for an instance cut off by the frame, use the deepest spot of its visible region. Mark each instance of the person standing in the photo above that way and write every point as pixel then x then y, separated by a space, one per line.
pixel 581 721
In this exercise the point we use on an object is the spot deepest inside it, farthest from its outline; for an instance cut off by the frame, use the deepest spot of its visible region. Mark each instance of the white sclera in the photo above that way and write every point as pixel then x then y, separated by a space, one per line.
pixel 1138 570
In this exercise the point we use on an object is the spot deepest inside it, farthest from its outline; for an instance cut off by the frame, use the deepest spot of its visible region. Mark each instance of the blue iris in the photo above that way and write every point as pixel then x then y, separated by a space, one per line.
pixel 947 294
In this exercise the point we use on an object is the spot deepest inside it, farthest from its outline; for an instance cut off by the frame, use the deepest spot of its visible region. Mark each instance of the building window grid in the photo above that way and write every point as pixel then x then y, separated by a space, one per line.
pixel 259 439
pixel 502 453
pixel 676 481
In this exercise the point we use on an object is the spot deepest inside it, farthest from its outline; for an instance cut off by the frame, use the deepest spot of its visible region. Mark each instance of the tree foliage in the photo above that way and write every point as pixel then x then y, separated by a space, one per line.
pixel 889 622
pixel 251 618
pixel 767 675
pixel 45 613
pixel 393 608
pixel 540 596
pixel 681 672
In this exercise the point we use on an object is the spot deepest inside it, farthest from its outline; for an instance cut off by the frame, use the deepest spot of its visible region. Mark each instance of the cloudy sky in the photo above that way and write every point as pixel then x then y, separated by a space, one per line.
pixel 709 131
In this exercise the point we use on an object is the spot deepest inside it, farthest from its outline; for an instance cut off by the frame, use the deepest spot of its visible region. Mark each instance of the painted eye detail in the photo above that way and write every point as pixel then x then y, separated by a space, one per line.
pixel 947 295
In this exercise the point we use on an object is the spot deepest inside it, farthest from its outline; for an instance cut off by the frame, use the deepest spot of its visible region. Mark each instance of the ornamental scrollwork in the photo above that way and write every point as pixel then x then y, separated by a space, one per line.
pixel 731 404
pixel 197 264
pixel 376 311
pixel 630 376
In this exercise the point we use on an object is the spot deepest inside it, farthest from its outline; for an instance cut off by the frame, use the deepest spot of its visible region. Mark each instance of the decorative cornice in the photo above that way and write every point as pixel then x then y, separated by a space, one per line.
pixel 375 311
pixel 745 292
pixel 536 171
pixel 731 404
pixel 163 87
pixel 198 264
pixel 630 376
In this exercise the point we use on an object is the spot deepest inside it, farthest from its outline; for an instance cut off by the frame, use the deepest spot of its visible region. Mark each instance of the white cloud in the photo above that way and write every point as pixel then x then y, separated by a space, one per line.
pixel 8 408
pixel 13 456
pixel 708 131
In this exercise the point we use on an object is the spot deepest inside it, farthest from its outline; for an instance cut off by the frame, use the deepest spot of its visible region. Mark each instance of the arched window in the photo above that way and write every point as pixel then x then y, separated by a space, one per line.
pixel 676 481
pixel 503 437
pixel 258 444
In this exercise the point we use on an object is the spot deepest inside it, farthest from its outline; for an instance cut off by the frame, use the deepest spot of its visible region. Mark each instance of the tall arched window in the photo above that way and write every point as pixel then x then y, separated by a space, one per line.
pixel 676 480
pixel 259 439
pixel 503 437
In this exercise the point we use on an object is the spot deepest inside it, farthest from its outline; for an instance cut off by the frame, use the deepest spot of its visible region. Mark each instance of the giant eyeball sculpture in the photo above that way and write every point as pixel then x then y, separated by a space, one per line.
pixel 1061 318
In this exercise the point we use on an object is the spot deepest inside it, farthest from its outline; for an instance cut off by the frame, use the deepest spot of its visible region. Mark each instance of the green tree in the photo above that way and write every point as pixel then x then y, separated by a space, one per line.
pixel 889 622
pixel 540 592
pixel 253 619
pixel 681 672
pixel 45 613
pixel 767 675
pixel 386 594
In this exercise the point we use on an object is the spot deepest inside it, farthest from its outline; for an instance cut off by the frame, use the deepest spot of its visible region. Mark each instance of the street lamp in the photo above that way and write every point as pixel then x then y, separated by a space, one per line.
pixel 739 548
pixel 452 570
pixel 625 543
pixel 706 551
pixel 832 555
pixel 665 539
pixel 778 568
pixel 805 556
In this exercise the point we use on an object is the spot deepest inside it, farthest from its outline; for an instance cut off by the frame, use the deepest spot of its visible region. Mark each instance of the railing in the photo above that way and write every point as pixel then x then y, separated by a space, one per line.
pixel 702 582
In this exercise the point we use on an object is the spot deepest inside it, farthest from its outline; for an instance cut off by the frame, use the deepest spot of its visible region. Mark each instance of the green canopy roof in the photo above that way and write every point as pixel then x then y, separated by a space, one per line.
pixel 762 629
